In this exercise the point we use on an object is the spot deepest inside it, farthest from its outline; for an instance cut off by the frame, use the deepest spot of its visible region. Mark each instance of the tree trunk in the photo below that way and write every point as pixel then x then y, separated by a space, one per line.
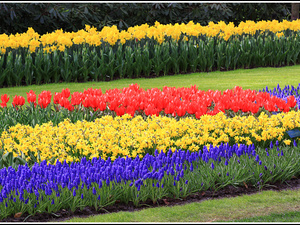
pixel 295 11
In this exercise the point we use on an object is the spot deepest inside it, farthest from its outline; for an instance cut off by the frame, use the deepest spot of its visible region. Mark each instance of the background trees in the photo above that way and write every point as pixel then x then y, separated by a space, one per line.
pixel 47 17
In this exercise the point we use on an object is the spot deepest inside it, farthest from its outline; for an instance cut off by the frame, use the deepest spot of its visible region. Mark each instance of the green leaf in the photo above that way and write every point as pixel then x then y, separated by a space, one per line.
pixel 19 161
pixel 8 158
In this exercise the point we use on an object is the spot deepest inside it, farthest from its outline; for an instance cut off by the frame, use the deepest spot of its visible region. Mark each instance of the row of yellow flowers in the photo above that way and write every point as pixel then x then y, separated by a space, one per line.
pixel 60 39
pixel 126 136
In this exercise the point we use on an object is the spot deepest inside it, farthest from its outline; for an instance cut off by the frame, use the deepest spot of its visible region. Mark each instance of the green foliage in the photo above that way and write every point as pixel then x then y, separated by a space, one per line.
pixel 30 115
pixel 8 159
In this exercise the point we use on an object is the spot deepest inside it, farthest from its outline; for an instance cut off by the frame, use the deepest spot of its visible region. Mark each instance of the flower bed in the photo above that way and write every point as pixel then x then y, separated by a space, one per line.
pixel 170 100
pixel 82 152
pixel 30 58
pixel 125 136
pixel 99 183
pixel 88 125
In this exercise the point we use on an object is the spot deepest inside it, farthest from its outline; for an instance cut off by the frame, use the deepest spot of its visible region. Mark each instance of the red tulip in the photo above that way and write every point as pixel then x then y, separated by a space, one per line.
pixel 76 98
pixel 91 91
pixel 4 99
pixel 280 103
pixel 270 106
pixel 286 108
pixel 245 106
pixel 130 110
pixel 151 110
pixel 120 111
pixel 192 108
pixel 90 101
pixel 18 101
pixel 143 105
pixel 63 101
pixel 113 105
pixel 56 97
pixel 101 105
pixel 31 97
pixel 65 93
pixel 169 109
pixel 43 102
pixel 44 98
pixel 180 111
pixel 199 113
pixel 254 108
pixel 135 104
pixel 291 101
pixel 69 107
pixel 219 107
pixel 235 107
pixel 126 101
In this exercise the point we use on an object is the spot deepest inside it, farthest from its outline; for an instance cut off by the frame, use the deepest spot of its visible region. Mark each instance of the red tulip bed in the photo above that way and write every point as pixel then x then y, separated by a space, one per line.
pixel 169 101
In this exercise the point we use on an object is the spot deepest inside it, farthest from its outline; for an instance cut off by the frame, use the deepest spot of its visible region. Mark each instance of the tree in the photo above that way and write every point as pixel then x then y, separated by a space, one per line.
pixel 295 11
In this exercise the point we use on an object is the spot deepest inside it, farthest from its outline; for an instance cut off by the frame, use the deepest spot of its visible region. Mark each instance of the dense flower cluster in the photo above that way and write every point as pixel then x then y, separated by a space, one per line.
pixel 126 136
pixel 173 101
pixel 97 183
pixel 283 93
pixel 59 40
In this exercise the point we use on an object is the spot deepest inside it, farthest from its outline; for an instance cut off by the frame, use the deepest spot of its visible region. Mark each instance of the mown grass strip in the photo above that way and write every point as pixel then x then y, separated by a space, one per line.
pixel 226 209
pixel 293 216
pixel 257 78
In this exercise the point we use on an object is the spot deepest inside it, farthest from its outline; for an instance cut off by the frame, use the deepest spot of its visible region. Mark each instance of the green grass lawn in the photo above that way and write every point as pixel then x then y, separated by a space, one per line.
pixel 253 208
pixel 293 216
pixel 257 78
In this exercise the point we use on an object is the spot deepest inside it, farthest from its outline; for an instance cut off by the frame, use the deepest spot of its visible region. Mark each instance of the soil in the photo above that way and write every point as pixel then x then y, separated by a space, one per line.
pixel 229 191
